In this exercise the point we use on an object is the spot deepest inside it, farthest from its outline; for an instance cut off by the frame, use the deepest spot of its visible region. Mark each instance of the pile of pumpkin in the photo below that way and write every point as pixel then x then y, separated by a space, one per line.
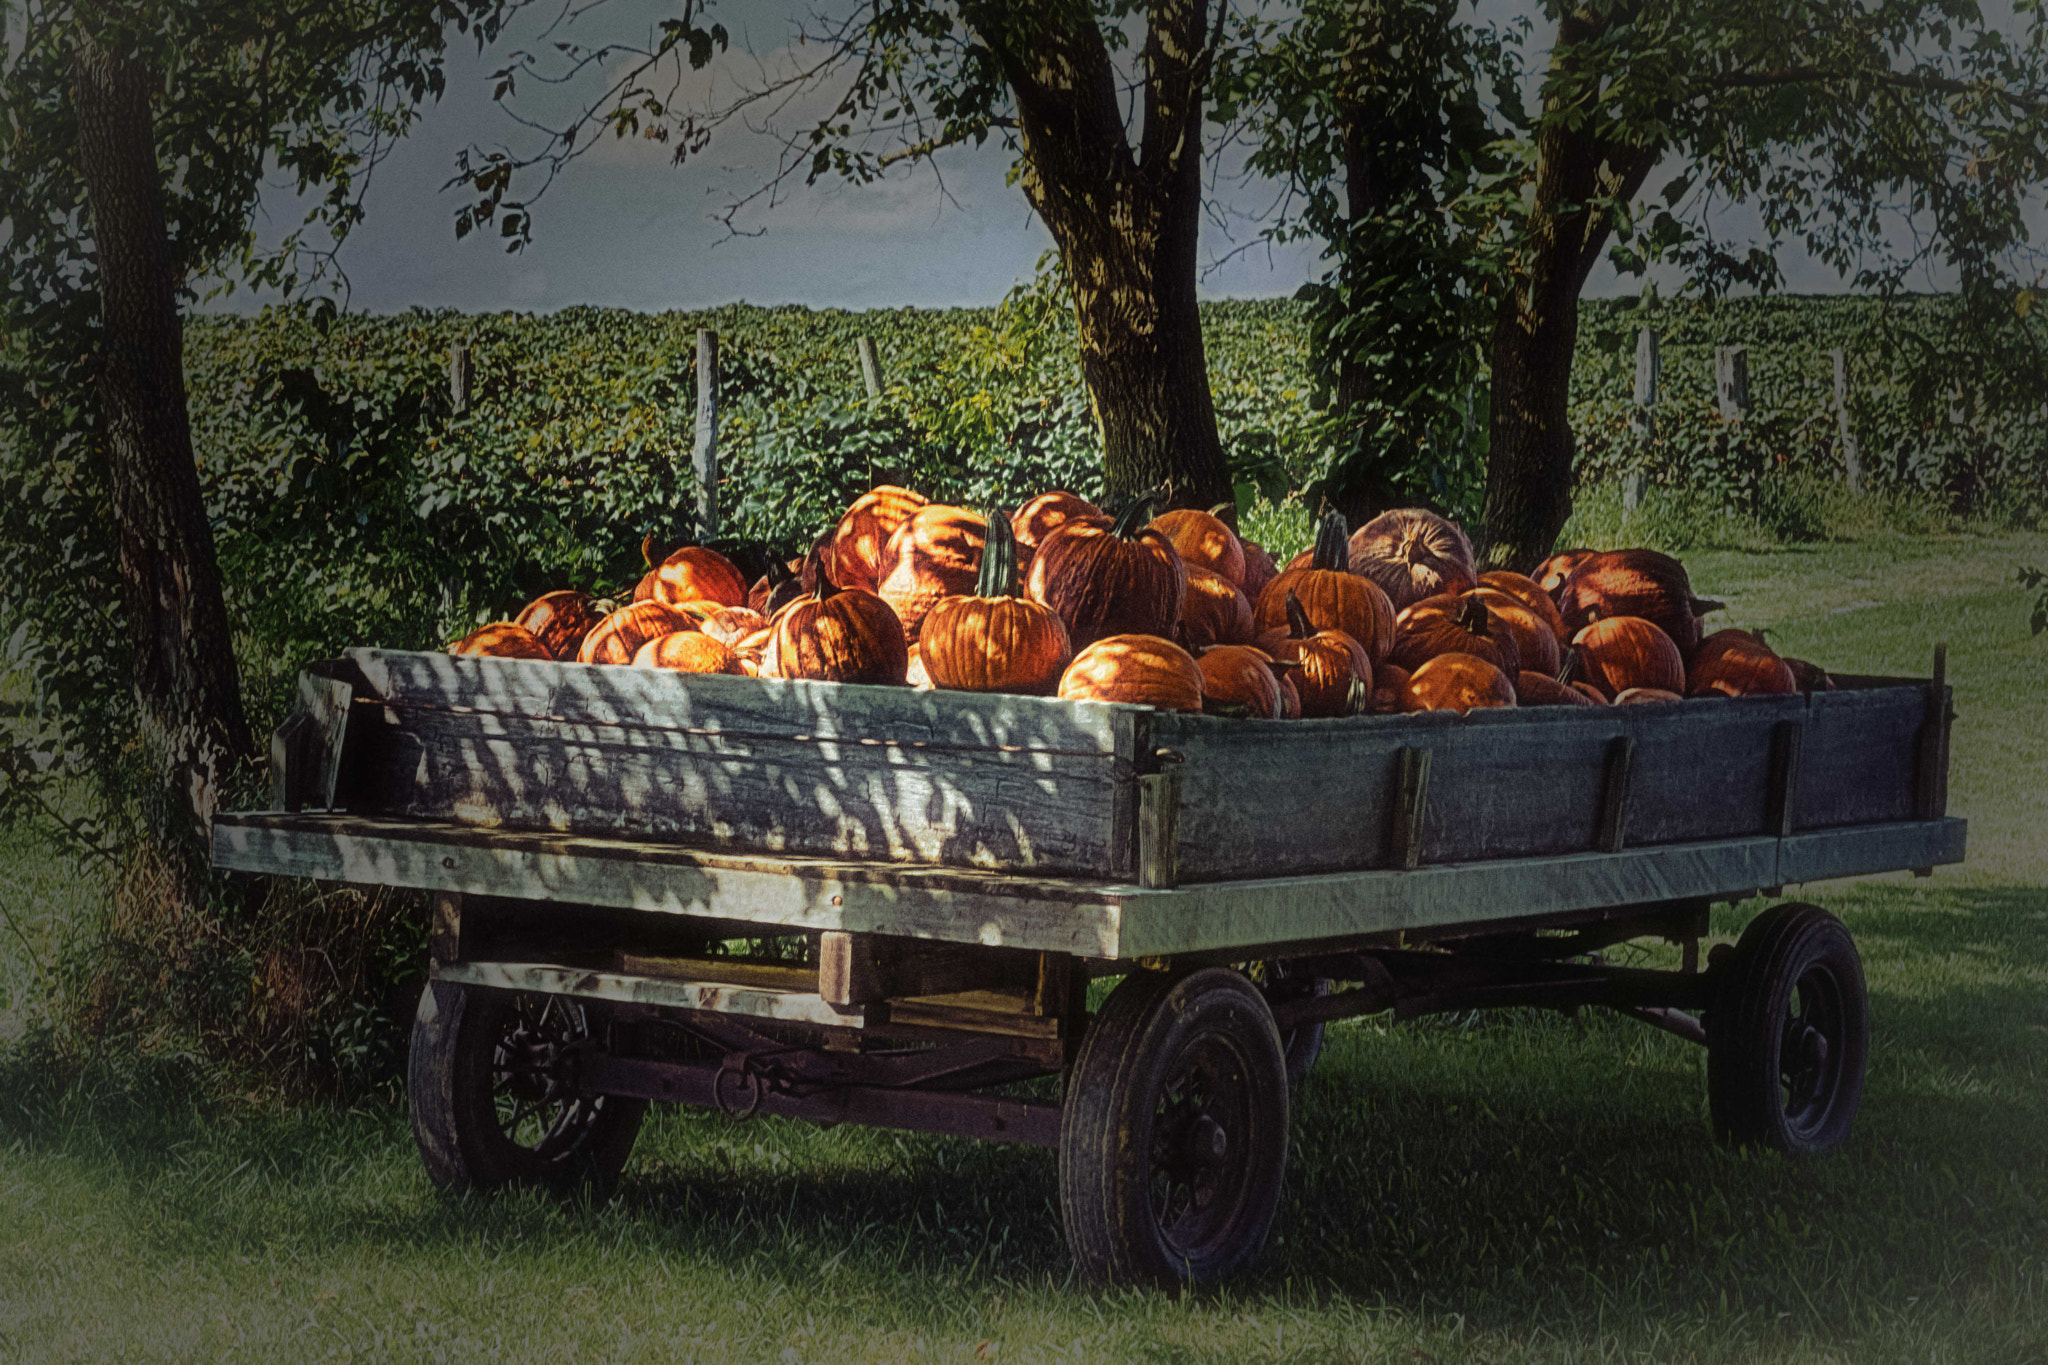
pixel 1174 612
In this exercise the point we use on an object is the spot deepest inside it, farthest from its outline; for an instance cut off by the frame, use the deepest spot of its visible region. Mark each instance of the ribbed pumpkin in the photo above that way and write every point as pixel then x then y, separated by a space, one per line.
pixel 935 553
pixel 1525 591
pixel 695 574
pixel 1809 677
pixel 1120 579
pixel 1457 682
pixel 1536 644
pixel 1259 569
pixel 1213 612
pixel 1640 583
pixel 1452 625
pixel 1035 520
pixel 765 586
pixel 1622 652
pixel 730 625
pixel 1413 554
pixel 1331 663
pixel 643 591
pixel 1732 663
pixel 1540 689
pixel 1290 695
pixel 1637 696
pixel 502 640
pixel 1572 673
pixel 753 652
pixel 1389 689
pixel 688 651
pixel 560 620
pixel 996 640
pixel 915 674
pixel 1238 680
pixel 855 546
pixel 617 638
pixel 1551 574
pixel 1204 541
pixel 1333 596
pixel 1144 670
pixel 838 634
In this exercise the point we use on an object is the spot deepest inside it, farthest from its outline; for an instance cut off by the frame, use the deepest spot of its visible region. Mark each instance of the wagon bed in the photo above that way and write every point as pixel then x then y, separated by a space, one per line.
pixel 884 905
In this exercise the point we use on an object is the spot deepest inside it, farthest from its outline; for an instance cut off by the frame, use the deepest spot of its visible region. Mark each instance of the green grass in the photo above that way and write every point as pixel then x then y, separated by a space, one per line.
pixel 1494 1188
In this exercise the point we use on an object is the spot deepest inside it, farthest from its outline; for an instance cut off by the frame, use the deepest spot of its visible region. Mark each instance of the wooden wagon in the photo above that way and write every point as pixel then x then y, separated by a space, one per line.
pixel 885 906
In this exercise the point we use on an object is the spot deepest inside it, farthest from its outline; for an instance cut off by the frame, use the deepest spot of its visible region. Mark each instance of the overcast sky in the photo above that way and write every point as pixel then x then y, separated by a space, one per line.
pixel 624 227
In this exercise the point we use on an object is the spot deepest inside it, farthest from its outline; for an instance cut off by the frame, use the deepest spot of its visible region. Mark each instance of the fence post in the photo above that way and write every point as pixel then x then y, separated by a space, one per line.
pixel 1731 381
pixel 1852 456
pixel 870 366
pixel 1640 421
pixel 704 451
pixel 461 378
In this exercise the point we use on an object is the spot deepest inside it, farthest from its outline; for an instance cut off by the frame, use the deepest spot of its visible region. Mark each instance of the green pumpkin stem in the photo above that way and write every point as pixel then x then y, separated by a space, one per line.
pixel 998 558
pixel 1133 516
pixel 1332 551
pixel 1299 627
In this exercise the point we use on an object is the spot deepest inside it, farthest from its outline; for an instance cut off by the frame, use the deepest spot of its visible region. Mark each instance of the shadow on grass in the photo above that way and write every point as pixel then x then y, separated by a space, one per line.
pixel 1522 1171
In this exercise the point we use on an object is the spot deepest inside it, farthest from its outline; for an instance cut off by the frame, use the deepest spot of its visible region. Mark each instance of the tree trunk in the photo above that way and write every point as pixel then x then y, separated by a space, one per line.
pixel 186 689
pixel 1529 466
pixel 1127 224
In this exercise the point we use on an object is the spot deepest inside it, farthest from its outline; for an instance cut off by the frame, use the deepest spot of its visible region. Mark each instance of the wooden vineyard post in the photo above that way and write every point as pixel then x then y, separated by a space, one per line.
pixel 461 379
pixel 704 450
pixel 1852 456
pixel 1731 382
pixel 870 366
pixel 1642 424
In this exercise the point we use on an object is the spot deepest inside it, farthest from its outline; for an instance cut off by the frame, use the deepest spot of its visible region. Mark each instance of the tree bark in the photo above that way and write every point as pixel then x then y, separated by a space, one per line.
pixel 186 688
pixel 1126 222
pixel 1529 467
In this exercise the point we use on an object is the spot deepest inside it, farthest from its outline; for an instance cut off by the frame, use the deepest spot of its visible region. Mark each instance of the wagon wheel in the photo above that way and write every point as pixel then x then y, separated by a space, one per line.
pixel 1302 1044
pixel 494 1098
pixel 1173 1141
pixel 1788 1034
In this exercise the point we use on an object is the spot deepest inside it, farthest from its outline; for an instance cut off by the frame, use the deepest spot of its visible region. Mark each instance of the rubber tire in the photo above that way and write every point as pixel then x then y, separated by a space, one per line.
pixel 1106 1126
pixel 454 1121
pixel 1746 1024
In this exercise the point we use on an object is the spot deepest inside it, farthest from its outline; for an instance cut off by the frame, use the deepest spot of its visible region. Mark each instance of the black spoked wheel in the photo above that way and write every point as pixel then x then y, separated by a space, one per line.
pixel 1789 1034
pixel 495 1102
pixel 1173 1143
pixel 1302 1044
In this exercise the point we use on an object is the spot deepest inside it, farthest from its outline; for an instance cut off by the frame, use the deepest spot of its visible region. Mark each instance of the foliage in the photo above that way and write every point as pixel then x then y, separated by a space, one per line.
pixel 2031 577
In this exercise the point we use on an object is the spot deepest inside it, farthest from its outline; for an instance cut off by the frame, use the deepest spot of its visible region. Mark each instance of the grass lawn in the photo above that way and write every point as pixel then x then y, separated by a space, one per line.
pixel 1504 1187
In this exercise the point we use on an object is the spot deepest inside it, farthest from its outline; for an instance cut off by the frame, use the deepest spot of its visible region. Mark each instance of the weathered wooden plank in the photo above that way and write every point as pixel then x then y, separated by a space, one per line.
pixel 1408 811
pixel 552 979
pixel 777 707
pixel 1159 826
pixel 1612 833
pixel 718 971
pixel 777 893
pixel 1818 855
pixel 1787 739
pixel 305 751
pixel 974 808
pixel 1858 759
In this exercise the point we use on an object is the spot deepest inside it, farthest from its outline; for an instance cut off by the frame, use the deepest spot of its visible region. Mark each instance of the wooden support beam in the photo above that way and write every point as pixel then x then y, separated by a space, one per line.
pixel 1410 809
pixel 1787 738
pixel 444 936
pixel 1930 775
pixel 1731 382
pixel 1159 827
pixel 870 366
pixel 461 380
pixel 1620 767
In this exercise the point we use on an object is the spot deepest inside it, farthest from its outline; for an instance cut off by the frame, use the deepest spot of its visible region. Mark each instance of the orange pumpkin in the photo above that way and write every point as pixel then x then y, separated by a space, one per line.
pixel 1035 520
pixel 1203 541
pixel 643 591
pixel 1540 689
pixel 1290 695
pixel 1622 652
pixel 1120 579
pixel 1332 663
pixel 695 574
pixel 935 553
pixel 1536 644
pixel 1333 596
pixel 1452 625
pixel 761 596
pixel 560 620
pixel 1552 573
pixel 1642 583
pixel 1214 612
pixel 617 638
pixel 502 640
pixel 1526 591
pixel 1144 670
pixel 916 675
pixel 1809 677
pixel 996 640
pixel 1636 696
pixel 1389 689
pixel 1238 680
pixel 1412 554
pixel 752 652
pixel 1457 682
pixel 730 625
pixel 840 635
pixel 1732 663
pixel 854 548
pixel 1259 569
pixel 688 651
